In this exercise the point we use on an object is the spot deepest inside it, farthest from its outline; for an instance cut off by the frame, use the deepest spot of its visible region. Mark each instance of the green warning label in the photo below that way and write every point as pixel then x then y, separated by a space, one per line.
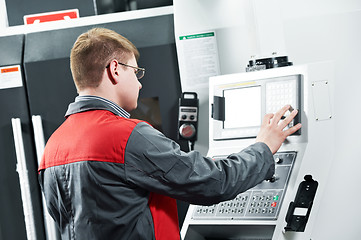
pixel 193 36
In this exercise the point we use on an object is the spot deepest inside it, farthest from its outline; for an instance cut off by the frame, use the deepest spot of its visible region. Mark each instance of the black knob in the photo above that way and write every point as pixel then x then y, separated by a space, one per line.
pixel 278 160
pixel 273 178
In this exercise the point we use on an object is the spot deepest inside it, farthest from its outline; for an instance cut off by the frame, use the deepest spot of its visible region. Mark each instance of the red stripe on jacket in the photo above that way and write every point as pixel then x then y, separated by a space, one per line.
pixel 165 217
pixel 89 136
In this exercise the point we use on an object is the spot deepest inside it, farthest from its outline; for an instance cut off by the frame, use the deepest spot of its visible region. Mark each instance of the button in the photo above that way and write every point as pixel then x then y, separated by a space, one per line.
pixel 184 116
pixel 274 204
pixel 274 178
pixel 187 130
pixel 192 117
pixel 278 160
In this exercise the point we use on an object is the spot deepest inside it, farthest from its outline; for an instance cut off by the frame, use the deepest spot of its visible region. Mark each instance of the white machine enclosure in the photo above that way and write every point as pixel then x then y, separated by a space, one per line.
pixel 314 150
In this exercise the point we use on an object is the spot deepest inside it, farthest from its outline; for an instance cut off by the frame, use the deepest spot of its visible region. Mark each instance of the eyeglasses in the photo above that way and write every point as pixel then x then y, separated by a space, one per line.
pixel 139 72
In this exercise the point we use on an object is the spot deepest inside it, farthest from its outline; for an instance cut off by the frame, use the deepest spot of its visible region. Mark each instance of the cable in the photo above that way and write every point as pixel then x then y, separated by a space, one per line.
pixel 191 145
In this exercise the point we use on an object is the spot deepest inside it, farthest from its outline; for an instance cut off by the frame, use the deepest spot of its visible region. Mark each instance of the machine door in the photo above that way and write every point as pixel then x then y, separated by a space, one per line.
pixel 20 205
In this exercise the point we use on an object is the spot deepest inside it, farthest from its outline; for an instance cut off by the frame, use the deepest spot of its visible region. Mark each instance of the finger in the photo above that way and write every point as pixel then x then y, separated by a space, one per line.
pixel 267 118
pixel 280 113
pixel 292 129
pixel 288 119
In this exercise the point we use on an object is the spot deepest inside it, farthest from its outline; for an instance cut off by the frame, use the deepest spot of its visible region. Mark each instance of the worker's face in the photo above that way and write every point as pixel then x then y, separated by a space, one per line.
pixel 130 86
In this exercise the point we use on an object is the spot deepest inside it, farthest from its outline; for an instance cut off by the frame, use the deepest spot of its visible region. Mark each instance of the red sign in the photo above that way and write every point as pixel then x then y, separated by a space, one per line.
pixel 51 16
pixel 11 69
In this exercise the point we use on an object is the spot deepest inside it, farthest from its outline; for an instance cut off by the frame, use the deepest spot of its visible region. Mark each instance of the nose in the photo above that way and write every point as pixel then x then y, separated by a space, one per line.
pixel 140 85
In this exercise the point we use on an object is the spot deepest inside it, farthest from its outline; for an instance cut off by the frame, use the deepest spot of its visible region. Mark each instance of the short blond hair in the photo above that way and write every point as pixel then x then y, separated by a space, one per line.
pixel 92 52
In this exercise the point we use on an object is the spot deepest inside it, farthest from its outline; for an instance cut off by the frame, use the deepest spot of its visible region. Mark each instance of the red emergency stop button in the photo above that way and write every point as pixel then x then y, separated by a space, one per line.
pixel 187 130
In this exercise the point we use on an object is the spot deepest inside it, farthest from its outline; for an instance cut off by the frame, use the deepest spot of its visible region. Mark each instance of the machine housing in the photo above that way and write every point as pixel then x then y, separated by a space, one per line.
pixel 237 105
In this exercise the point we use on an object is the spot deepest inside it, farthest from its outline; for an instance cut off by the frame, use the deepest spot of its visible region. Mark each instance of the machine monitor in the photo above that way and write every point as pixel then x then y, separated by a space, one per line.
pixel 238 109
pixel 238 112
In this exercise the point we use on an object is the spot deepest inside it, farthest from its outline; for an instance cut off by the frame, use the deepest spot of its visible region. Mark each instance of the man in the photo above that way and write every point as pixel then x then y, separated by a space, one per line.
pixel 106 176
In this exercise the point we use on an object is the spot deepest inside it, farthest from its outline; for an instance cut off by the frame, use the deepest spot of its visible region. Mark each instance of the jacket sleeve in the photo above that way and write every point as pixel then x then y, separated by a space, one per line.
pixel 156 163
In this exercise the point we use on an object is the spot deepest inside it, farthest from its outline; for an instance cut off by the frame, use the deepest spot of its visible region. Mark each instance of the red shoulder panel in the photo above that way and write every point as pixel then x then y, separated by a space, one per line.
pixel 89 136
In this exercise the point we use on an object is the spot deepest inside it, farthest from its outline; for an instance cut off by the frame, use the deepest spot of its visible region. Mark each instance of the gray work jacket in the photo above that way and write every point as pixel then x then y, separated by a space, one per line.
pixel 95 198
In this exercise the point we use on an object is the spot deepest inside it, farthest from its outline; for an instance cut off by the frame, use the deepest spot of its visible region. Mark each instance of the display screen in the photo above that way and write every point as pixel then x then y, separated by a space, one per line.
pixel 242 107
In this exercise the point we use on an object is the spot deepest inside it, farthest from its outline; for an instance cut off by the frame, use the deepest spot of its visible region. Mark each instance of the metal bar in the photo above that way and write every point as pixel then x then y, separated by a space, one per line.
pixel 22 170
pixel 50 227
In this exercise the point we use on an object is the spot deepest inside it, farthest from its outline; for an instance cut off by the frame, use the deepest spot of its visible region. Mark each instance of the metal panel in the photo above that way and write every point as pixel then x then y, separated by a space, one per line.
pixel 50 84
pixel 13 104
pixel 11 49
pixel 143 32
pixel 16 9
pixel 12 217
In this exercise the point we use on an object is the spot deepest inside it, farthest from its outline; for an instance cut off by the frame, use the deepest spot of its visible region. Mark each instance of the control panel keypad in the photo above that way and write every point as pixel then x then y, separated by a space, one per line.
pixel 279 94
pixel 205 211
pixel 264 203
pixel 261 202
pixel 235 207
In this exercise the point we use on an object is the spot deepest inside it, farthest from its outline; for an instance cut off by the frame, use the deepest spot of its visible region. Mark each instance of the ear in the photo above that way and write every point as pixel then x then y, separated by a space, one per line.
pixel 113 71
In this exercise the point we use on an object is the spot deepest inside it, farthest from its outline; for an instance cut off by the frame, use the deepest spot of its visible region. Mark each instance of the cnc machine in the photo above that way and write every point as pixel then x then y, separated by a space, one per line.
pixel 286 206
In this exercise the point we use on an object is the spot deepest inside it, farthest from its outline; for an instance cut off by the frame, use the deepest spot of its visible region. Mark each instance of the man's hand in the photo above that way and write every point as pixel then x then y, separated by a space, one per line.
pixel 272 133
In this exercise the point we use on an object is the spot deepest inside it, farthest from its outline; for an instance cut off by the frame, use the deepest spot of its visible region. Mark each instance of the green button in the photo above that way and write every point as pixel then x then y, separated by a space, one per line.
pixel 275 198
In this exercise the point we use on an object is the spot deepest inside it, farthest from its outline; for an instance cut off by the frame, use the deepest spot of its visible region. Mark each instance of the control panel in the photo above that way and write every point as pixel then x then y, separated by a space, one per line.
pixel 260 202
pixel 188 116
